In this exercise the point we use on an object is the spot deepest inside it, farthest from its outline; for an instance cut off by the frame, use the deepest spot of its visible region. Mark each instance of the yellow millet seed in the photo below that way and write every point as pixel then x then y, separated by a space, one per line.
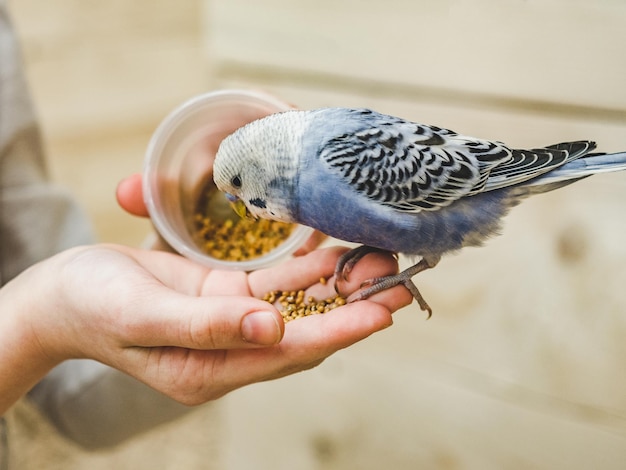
pixel 235 240
pixel 294 305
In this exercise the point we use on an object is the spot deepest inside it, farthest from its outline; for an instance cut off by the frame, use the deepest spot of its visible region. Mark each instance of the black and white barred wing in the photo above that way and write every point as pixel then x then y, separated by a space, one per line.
pixel 528 164
pixel 408 166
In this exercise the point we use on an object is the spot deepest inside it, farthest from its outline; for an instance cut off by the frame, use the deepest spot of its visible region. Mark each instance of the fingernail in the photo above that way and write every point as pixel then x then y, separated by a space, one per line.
pixel 261 328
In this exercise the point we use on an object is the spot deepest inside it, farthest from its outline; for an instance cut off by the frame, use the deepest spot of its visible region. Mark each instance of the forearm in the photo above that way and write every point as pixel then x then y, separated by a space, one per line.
pixel 22 361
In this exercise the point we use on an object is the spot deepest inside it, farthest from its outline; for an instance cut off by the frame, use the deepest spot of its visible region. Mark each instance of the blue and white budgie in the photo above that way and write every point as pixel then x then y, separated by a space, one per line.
pixel 388 183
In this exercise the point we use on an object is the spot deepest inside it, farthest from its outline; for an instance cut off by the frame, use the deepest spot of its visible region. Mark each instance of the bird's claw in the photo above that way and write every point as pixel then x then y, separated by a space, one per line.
pixel 347 262
pixel 410 285
pixel 374 285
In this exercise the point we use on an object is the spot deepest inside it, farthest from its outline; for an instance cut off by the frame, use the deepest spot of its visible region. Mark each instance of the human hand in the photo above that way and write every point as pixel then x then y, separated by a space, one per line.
pixel 192 333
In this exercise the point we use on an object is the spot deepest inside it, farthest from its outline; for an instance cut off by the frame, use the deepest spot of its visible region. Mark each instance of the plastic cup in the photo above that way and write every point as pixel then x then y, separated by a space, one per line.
pixel 179 162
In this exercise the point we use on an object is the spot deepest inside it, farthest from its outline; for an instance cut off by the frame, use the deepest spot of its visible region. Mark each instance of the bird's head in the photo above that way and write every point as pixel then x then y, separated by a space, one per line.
pixel 257 167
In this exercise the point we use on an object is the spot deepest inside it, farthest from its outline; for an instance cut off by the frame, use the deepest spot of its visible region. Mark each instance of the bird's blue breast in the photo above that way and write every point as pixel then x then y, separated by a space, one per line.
pixel 331 207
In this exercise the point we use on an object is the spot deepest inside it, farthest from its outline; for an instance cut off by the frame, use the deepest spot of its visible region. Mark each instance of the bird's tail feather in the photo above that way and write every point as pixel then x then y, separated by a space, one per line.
pixel 574 170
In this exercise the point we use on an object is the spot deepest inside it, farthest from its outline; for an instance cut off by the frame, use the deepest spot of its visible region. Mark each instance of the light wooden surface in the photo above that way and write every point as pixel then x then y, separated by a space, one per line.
pixel 559 51
pixel 522 365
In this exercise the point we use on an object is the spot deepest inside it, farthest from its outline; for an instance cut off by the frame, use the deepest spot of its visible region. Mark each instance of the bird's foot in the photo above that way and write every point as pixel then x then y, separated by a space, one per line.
pixel 378 284
pixel 347 262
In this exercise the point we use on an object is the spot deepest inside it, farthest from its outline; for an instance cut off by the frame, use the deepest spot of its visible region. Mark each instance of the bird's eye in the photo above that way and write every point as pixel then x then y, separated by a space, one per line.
pixel 236 181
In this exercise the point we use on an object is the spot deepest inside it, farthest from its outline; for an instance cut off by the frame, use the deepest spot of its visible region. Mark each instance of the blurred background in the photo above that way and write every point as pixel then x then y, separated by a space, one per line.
pixel 523 363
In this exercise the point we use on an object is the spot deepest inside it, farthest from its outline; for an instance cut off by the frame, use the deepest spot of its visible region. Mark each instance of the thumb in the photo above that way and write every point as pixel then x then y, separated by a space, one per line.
pixel 216 322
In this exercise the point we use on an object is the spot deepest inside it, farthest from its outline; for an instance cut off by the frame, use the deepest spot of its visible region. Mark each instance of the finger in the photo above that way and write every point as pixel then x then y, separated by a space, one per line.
pixel 296 273
pixel 166 318
pixel 173 302
pixel 187 277
pixel 194 376
pixel 307 342
pixel 311 244
pixel 299 273
pixel 374 264
pixel 305 273
pixel 129 196
pixel 378 264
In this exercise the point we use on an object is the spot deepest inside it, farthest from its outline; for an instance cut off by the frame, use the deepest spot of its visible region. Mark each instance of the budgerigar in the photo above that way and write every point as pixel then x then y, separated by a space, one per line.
pixel 390 184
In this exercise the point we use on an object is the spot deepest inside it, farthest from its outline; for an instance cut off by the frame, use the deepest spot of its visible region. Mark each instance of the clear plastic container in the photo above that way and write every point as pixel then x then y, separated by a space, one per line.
pixel 179 162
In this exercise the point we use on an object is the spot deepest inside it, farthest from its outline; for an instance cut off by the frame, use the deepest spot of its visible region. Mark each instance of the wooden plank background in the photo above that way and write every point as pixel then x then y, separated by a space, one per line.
pixel 522 364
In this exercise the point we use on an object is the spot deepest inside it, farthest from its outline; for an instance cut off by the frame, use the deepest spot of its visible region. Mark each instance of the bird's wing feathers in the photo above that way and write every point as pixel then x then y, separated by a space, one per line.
pixel 414 167
pixel 409 166
pixel 528 164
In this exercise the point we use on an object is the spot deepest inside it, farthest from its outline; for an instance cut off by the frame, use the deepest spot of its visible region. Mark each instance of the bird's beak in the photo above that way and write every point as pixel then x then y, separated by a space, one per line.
pixel 238 206
pixel 240 209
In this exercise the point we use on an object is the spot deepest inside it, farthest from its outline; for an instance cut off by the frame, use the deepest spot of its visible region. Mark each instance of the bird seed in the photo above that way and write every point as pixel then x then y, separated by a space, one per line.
pixel 234 239
pixel 293 304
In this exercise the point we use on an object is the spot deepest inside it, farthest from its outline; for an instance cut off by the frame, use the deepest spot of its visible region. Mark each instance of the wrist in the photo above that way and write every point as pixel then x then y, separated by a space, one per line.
pixel 24 359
